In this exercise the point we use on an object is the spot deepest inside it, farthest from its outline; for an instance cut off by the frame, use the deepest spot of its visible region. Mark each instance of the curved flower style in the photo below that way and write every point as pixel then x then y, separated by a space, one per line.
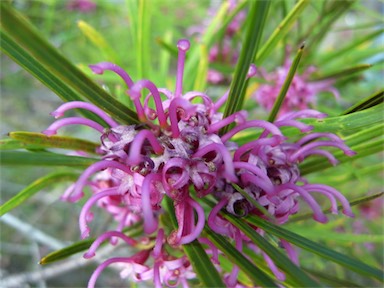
pixel 178 149
pixel 301 94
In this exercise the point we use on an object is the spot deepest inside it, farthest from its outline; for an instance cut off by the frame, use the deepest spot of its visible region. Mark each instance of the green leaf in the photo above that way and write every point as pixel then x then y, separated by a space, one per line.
pixel 257 17
pixel 21 42
pixel 80 246
pixel 368 102
pixel 142 39
pixel 166 45
pixel 252 271
pixel 67 251
pixel 346 72
pixel 165 56
pixel 285 87
pixel 202 265
pixel 202 70
pixel 98 40
pixel 331 281
pixel 12 144
pixel 280 31
pixel 331 12
pixel 42 140
pixel 316 248
pixel 329 57
pixel 309 232
pixel 280 259
pixel 200 261
pixel 44 159
pixel 35 187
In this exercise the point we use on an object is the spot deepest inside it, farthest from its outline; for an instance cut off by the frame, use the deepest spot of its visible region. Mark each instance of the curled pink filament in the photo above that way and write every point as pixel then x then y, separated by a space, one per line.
pixel 227 158
pixel 99 68
pixel 140 85
pixel 137 145
pixel 179 105
pixel 252 124
pixel 52 129
pixel 91 251
pixel 150 223
pixel 183 46
pixel 88 205
pixel 84 105
pixel 318 214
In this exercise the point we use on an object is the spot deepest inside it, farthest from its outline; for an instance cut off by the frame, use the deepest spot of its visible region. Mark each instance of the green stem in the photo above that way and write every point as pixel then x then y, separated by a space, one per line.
pixel 285 87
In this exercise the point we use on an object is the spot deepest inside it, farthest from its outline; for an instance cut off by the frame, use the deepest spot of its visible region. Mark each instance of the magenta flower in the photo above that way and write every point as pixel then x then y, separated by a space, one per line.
pixel 177 149
pixel 302 93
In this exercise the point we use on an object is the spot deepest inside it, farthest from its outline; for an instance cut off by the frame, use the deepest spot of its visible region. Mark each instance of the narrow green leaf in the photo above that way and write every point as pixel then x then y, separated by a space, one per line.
pixel 368 102
pixel 253 272
pixel 142 39
pixel 165 56
pixel 12 144
pixel 257 17
pixel 67 251
pixel 80 246
pixel 281 30
pixel 331 12
pixel 316 248
pixel 359 26
pixel 54 141
pixel 280 259
pixel 309 232
pixel 132 15
pixel 350 47
pixel 200 261
pixel 21 42
pixel 332 281
pixel 285 87
pixel 346 72
pixel 202 70
pixel 202 265
pixel 44 159
pixel 35 187
pixel 98 40
pixel 172 49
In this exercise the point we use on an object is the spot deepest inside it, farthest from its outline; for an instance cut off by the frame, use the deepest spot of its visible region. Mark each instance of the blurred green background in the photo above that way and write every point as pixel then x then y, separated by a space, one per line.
pixel 26 104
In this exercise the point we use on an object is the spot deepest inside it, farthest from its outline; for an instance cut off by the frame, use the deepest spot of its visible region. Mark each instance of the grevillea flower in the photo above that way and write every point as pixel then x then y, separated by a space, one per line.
pixel 177 152
pixel 301 94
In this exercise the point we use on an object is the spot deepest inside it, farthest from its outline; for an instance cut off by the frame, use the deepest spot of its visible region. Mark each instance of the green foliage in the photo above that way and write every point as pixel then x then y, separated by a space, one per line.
pixel 264 40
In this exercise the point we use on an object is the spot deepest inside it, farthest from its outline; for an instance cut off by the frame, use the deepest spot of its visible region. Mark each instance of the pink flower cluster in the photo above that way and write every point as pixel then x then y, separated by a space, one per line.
pixel 301 94
pixel 178 152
